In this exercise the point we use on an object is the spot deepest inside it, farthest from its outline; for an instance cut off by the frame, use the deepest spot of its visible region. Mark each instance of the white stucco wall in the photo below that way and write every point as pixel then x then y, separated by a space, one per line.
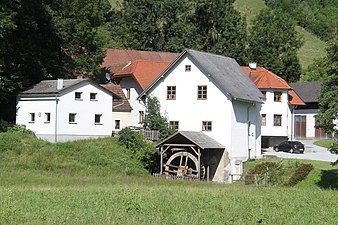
pixel 310 120
pixel 271 108
pixel 85 110
pixel 229 119
pixel 124 117
pixel 135 91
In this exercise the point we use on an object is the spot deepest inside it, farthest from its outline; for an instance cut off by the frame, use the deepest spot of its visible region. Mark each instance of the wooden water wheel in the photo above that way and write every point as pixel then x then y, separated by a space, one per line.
pixel 184 164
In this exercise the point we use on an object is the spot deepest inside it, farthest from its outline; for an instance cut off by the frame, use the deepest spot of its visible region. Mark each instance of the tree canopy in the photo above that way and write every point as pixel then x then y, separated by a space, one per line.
pixel 273 43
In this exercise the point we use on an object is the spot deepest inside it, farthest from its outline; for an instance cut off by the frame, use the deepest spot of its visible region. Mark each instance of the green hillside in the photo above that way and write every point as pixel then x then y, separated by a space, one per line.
pixel 312 48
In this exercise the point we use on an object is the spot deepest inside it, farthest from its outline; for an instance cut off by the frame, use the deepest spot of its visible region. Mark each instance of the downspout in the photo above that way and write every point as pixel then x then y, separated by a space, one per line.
pixel 249 124
pixel 56 118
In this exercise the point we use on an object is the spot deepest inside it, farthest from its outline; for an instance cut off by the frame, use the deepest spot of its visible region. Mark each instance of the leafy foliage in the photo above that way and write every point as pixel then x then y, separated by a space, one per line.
pixel 154 120
pixel 142 149
pixel 264 170
pixel 273 44
pixel 300 174
pixel 318 17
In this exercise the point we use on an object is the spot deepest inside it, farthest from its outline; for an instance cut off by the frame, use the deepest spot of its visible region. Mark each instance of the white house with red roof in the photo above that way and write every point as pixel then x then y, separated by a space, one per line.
pixel 279 103
pixel 63 110
pixel 211 94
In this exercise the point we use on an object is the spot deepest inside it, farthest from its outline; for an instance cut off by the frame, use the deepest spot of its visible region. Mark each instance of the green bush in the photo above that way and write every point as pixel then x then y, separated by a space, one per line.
pixel 300 174
pixel 142 149
pixel 265 170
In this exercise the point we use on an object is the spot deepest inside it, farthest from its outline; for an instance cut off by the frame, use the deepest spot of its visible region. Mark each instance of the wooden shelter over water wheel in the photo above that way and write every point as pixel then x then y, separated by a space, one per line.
pixel 188 154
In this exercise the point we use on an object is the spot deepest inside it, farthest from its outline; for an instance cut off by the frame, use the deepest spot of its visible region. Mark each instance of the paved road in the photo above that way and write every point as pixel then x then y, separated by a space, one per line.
pixel 312 152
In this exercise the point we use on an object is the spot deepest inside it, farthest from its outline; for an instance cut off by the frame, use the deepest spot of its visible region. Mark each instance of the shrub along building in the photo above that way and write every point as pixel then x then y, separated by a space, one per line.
pixel 209 96
pixel 280 100
pixel 62 110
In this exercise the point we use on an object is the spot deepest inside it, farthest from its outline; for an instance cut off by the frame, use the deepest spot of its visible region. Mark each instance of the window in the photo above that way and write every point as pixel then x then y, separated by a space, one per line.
pixel 128 93
pixel 202 92
pixel 93 96
pixel 171 92
pixel 98 118
pixel 72 118
pixel 264 95
pixel 78 95
pixel 32 117
pixel 263 119
pixel 206 125
pixel 117 124
pixel 47 117
pixel 278 96
pixel 187 68
pixel 277 120
pixel 174 124
pixel 141 117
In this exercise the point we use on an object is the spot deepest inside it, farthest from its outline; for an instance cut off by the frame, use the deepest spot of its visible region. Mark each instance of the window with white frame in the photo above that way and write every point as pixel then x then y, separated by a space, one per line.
pixel 277 96
pixel 78 95
pixel 72 118
pixel 187 68
pixel 174 124
pixel 98 118
pixel 277 120
pixel 171 92
pixel 47 117
pixel 202 92
pixel 117 124
pixel 206 125
pixel 31 117
pixel 93 96
pixel 263 119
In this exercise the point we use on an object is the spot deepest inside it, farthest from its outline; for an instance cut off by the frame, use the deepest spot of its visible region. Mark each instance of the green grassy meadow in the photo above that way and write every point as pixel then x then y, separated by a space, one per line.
pixel 100 182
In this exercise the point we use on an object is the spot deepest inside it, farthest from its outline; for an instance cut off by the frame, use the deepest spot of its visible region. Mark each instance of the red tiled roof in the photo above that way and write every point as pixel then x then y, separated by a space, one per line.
pixel 294 99
pixel 120 56
pixel 122 104
pixel 264 78
pixel 143 71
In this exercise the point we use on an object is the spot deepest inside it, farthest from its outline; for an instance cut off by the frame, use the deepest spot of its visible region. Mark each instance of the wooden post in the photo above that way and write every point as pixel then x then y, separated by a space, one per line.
pixel 161 163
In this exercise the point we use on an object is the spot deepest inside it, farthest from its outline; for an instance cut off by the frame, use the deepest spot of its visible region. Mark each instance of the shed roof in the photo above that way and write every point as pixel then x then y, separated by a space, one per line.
pixel 308 91
pixel 122 105
pixel 198 138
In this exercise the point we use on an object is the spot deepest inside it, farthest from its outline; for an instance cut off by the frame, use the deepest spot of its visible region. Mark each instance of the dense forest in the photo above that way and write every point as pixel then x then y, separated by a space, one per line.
pixel 45 39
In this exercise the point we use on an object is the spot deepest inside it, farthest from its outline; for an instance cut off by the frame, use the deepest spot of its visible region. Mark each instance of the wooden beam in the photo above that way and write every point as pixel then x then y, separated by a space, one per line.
pixel 179 145
pixel 161 163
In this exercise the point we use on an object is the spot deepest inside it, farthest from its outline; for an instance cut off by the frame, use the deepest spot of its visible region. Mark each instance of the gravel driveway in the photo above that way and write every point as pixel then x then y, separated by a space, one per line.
pixel 312 152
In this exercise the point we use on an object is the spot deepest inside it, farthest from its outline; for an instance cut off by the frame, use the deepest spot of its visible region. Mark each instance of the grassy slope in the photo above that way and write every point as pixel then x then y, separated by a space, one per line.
pixel 313 47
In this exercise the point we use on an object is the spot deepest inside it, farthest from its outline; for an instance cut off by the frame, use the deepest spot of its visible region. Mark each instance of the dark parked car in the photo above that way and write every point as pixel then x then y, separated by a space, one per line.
pixel 290 146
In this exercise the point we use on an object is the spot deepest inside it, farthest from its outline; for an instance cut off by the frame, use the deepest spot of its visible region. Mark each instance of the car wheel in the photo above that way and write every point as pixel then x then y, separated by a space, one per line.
pixel 276 149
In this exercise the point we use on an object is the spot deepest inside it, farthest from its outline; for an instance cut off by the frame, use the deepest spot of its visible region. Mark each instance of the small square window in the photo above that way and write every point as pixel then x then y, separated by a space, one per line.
pixel 98 118
pixel 263 120
pixel 32 117
pixel 78 95
pixel 72 118
pixel 278 96
pixel 187 68
pixel 206 125
pixel 202 92
pixel 47 117
pixel 93 96
pixel 117 124
pixel 277 120
pixel 171 92
pixel 174 124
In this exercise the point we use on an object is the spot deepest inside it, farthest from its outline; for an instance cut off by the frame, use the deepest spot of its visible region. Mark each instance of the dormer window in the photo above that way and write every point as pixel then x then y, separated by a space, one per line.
pixel 78 95
pixel 187 68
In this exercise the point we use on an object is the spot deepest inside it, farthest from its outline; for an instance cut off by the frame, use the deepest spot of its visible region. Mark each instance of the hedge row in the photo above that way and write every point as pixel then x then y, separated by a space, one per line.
pixel 300 174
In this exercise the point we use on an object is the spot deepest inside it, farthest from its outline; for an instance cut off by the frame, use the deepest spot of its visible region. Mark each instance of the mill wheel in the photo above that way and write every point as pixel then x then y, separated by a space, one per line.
pixel 183 164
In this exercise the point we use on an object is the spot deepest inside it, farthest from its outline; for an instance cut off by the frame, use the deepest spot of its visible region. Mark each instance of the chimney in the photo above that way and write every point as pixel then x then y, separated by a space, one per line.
pixel 253 66
pixel 59 83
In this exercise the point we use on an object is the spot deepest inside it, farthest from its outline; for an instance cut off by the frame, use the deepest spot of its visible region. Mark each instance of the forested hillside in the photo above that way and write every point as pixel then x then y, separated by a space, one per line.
pixel 42 39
